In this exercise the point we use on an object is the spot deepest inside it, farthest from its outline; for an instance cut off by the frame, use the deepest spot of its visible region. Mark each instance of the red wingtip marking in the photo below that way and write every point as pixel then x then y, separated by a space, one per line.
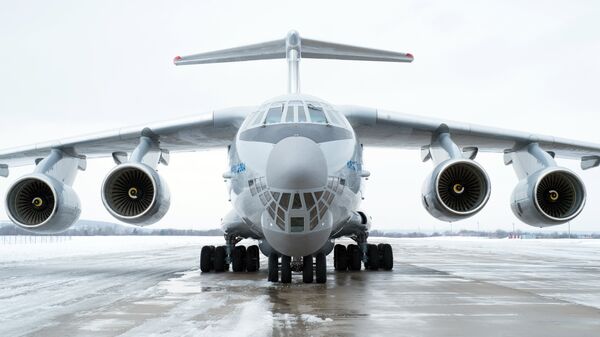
pixel 410 55
pixel 177 58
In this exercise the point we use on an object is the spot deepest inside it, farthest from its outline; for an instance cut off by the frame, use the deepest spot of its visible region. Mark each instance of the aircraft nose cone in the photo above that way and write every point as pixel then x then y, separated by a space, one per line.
pixel 296 163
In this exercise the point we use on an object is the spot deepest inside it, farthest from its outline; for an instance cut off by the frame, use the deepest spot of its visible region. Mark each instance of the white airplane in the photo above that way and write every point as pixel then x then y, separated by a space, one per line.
pixel 296 170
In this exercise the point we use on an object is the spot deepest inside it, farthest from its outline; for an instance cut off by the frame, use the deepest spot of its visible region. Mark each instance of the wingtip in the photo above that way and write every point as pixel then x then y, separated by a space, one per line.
pixel 176 59
pixel 409 55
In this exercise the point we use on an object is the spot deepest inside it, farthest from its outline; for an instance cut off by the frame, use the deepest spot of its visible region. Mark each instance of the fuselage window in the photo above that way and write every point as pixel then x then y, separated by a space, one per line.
pixel 316 114
pixel 297 224
pixel 274 114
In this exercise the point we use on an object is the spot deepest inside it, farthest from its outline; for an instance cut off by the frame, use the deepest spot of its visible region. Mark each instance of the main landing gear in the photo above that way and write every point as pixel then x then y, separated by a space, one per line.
pixel 241 259
pixel 314 268
pixel 373 256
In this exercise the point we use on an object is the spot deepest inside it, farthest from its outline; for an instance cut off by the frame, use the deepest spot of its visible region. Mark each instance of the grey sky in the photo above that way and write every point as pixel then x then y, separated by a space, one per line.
pixel 72 67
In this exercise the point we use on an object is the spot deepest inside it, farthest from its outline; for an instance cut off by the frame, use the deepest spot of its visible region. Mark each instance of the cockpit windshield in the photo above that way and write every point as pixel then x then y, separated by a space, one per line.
pixel 295 111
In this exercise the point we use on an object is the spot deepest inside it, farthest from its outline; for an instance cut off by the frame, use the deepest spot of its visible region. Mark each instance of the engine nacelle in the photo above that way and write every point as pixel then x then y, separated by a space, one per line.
pixel 549 197
pixel 456 189
pixel 41 204
pixel 136 194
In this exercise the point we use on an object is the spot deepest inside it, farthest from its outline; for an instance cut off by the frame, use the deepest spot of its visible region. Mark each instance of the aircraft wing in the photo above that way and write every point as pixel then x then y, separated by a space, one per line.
pixel 382 128
pixel 204 131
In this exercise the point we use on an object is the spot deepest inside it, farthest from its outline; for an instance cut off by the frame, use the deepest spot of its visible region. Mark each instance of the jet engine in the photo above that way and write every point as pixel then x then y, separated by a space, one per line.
pixel 41 204
pixel 456 189
pixel 134 193
pixel 549 197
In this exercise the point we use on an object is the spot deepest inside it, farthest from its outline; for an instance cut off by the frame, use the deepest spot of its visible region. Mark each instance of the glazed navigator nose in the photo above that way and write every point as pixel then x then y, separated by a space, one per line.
pixel 296 163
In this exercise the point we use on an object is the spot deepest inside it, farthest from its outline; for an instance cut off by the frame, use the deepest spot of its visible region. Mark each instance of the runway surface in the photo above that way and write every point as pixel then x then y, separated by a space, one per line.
pixel 151 286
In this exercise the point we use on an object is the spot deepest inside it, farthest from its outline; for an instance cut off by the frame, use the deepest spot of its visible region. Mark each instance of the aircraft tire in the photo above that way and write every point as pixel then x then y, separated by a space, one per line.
pixel 238 258
pixel 354 257
pixel 220 255
pixel 273 268
pixel 340 258
pixel 286 269
pixel 387 257
pixel 252 259
pixel 372 257
pixel 307 269
pixel 205 259
pixel 321 268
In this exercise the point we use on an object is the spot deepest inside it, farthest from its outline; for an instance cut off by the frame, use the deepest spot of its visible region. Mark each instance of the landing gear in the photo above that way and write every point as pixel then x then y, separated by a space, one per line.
pixel 241 258
pixel 286 269
pixel 354 257
pixel 386 256
pixel 273 267
pixel 340 258
pixel 372 262
pixel 321 268
pixel 206 258
pixel 287 265
pixel 238 258
pixel 220 263
pixel 351 258
pixel 307 269
pixel 252 259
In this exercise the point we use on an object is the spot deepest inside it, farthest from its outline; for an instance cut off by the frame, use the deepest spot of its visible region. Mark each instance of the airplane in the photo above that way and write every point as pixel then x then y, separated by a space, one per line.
pixel 296 171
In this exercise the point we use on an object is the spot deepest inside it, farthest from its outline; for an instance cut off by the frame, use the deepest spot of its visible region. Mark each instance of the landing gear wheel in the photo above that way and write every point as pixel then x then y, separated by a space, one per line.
pixel 273 268
pixel 238 258
pixel 307 269
pixel 286 269
pixel 252 258
pixel 387 257
pixel 372 257
pixel 220 255
pixel 321 268
pixel 340 258
pixel 354 257
pixel 206 257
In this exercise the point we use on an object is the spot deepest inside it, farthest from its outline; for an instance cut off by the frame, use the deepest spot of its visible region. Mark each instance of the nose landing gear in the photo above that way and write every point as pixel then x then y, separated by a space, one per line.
pixel 305 265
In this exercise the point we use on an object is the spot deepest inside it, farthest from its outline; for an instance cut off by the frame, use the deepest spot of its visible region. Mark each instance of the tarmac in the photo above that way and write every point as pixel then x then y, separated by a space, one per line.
pixel 438 287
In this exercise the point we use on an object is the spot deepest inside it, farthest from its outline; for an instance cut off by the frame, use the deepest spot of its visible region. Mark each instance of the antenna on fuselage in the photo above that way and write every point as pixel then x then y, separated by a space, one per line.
pixel 293 48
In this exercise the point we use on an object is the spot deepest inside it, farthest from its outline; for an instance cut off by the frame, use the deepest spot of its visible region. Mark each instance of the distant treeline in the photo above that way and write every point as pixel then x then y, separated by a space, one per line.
pixel 97 228
pixel 498 234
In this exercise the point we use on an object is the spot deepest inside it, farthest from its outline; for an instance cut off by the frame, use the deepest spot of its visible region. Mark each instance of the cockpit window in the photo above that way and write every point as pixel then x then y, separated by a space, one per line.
pixel 316 114
pixel 274 114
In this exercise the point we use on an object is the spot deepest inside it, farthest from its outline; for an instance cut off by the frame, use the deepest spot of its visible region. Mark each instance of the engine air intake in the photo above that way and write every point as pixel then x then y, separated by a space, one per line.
pixel 559 195
pixel 130 191
pixel 31 202
pixel 462 187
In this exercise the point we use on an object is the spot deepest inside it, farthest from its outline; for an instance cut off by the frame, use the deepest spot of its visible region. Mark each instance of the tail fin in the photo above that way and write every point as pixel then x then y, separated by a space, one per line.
pixel 293 48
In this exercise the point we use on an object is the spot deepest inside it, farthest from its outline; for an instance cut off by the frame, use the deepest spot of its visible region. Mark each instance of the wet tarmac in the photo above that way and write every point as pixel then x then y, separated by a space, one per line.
pixel 437 288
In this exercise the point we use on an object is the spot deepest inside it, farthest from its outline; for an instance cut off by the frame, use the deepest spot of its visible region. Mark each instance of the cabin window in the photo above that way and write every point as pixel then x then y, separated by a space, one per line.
pixel 274 114
pixel 316 114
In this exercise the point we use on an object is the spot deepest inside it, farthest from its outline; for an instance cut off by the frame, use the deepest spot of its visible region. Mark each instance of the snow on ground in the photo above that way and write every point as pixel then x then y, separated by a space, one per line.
pixel 150 286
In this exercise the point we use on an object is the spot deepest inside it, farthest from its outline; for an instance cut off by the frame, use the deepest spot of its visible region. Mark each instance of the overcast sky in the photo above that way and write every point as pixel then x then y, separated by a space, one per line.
pixel 73 67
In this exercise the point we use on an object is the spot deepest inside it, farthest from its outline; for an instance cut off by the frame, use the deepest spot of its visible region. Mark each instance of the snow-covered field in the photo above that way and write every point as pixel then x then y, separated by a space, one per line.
pixel 150 286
